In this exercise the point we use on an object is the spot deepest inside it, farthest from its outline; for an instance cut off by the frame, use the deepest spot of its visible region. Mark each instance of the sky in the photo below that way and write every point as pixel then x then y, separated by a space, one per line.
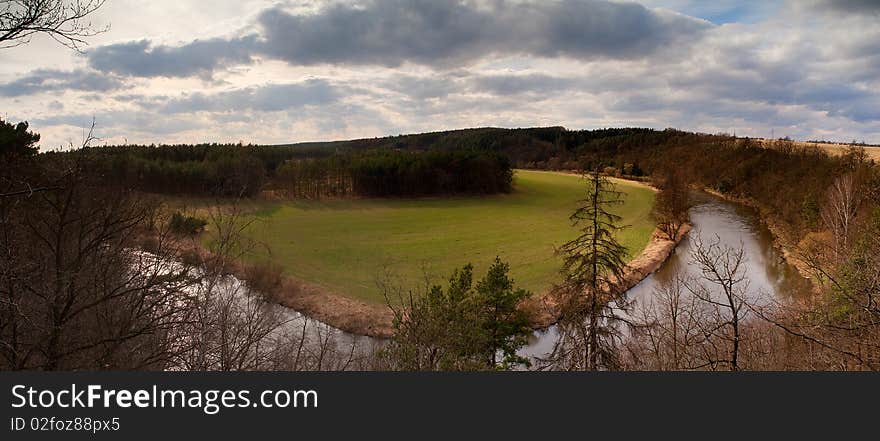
pixel 268 72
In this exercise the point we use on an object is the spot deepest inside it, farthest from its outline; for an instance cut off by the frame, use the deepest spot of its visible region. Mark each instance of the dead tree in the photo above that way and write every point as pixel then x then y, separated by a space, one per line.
pixel 65 21
pixel 672 204
pixel 75 292
pixel 841 208
pixel 722 268
pixel 666 332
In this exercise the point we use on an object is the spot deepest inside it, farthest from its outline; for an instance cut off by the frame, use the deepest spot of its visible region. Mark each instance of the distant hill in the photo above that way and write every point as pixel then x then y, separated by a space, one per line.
pixel 527 147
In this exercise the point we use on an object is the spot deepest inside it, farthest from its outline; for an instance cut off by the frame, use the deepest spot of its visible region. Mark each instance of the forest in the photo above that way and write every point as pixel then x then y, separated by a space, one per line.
pixel 479 161
pixel 237 170
pixel 74 298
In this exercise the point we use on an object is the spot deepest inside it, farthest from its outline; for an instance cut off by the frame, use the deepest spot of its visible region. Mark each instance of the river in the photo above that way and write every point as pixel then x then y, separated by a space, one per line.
pixel 732 225
pixel 714 219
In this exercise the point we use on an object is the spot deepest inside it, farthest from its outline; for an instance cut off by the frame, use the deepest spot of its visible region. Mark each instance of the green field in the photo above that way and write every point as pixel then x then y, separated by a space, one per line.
pixel 346 245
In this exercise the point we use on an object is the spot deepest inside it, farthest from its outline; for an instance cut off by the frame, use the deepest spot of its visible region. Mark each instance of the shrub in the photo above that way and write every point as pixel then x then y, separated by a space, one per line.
pixel 190 257
pixel 186 225
pixel 265 278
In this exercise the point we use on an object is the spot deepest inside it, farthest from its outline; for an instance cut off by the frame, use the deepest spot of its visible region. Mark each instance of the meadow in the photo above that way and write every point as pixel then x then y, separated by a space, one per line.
pixel 348 245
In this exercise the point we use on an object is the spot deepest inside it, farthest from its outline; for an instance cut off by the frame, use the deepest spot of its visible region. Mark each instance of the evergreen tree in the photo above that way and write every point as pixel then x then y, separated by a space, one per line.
pixel 462 327
pixel 15 139
pixel 506 326
pixel 593 265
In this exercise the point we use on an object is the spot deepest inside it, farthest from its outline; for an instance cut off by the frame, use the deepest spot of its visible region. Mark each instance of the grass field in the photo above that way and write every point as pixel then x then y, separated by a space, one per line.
pixel 346 245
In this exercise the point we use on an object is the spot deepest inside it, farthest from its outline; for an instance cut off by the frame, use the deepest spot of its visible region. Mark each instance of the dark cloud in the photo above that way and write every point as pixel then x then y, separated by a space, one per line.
pixel 865 109
pixel 52 80
pixel 268 98
pixel 200 57
pixel 428 32
pixel 446 32
pixel 851 6
pixel 772 85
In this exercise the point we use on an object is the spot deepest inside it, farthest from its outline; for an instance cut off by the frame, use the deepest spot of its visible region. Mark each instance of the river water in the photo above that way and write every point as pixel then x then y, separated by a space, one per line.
pixel 715 220
pixel 731 225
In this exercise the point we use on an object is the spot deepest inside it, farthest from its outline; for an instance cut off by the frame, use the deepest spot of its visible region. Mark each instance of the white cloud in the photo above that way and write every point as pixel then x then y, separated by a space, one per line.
pixel 261 72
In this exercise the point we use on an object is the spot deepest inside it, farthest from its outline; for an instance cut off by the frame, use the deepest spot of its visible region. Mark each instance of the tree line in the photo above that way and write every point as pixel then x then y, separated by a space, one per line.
pixel 76 296
pixel 383 173
pixel 238 170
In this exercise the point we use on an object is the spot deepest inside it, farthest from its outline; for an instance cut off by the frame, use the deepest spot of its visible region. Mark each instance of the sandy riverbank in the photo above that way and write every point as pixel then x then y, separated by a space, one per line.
pixel 544 310
pixel 375 319
pixel 361 318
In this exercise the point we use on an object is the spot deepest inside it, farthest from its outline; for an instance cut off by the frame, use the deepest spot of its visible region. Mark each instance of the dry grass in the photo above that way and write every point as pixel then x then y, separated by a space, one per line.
pixel 831 149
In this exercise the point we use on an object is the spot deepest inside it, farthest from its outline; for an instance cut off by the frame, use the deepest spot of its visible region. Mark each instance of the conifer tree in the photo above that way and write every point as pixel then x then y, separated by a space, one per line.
pixel 589 296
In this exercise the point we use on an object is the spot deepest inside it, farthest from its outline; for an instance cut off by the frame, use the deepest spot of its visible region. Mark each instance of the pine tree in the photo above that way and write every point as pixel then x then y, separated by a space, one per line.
pixel 506 326
pixel 589 296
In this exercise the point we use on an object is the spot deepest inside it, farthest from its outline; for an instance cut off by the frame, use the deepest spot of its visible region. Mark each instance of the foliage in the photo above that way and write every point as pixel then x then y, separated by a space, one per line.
pixel 382 173
pixel 593 265
pixel 506 326
pixel 15 139
pixel 462 327
pixel 343 243
pixel 235 170
pixel 186 225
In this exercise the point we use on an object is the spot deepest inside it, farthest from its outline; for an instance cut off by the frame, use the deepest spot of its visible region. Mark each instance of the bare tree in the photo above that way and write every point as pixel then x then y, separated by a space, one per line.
pixel 65 21
pixel 840 210
pixel 666 332
pixel 839 327
pixel 232 326
pixel 672 204
pixel 721 267
pixel 74 291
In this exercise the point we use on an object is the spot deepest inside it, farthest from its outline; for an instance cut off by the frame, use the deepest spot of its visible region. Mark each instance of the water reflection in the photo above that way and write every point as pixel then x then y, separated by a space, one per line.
pixel 730 224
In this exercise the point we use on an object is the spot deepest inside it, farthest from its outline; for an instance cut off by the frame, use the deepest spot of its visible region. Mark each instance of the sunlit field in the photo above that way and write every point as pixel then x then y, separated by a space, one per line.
pixel 348 245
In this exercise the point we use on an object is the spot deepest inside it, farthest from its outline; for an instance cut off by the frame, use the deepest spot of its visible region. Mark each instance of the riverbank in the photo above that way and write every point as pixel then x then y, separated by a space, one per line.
pixel 545 311
pixel 782 245
pixel 373 318
pixel 316 302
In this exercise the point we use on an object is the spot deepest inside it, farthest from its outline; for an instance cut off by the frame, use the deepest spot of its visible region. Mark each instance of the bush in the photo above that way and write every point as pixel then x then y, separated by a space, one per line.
pixel 265 278
pixel 186 225
pixel 191 257
pixel 725 185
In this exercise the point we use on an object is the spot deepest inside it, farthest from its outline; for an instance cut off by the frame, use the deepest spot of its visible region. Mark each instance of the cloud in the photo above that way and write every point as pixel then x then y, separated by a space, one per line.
pixel 450 32
pixel 395 66
pixel 528 83
pixel 850 6
pixel 422 88
pixel 199 57
pixel 267 98
pixel 437 33
pixel 51 80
